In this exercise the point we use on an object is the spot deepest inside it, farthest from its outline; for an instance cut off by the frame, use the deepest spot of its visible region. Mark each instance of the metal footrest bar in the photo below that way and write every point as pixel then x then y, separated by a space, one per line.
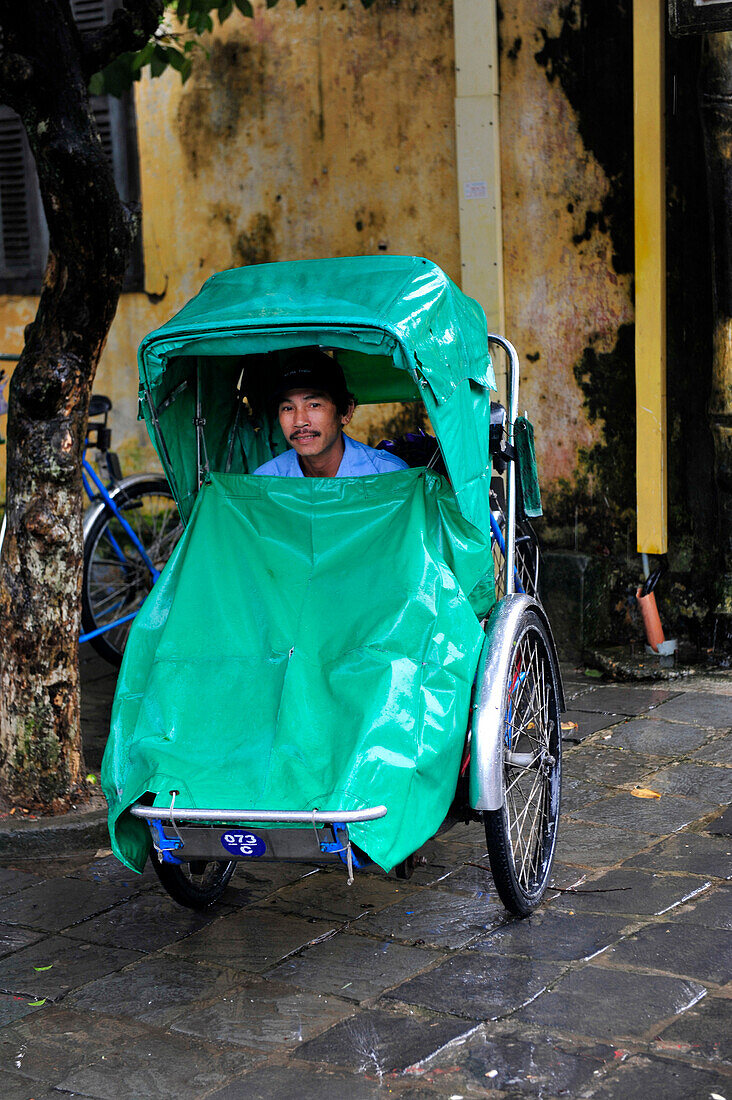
pixel 292 817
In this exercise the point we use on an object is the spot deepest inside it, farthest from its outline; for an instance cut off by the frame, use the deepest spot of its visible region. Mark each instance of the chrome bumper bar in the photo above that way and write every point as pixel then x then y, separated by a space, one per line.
pixel 292 817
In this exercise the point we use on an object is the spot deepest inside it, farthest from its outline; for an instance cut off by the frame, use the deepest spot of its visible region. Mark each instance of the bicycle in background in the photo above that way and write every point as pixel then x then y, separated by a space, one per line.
pixel 131 526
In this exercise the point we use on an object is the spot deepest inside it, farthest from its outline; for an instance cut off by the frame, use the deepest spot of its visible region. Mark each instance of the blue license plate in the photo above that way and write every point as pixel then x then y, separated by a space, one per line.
pixel 241 843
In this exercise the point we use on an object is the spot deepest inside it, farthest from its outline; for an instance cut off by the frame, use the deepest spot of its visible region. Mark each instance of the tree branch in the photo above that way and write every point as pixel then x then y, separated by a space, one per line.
pixel 129 29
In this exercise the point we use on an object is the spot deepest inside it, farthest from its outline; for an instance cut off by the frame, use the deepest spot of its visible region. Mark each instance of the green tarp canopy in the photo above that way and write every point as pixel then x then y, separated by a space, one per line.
pixel 401 329
pixel 311 644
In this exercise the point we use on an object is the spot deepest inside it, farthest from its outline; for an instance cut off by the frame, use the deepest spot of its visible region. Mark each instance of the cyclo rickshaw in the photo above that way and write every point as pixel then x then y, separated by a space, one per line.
pixel 330 669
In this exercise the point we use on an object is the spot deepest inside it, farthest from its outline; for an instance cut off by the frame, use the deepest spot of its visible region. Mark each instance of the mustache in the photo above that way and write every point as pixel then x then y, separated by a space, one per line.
pixel 302 431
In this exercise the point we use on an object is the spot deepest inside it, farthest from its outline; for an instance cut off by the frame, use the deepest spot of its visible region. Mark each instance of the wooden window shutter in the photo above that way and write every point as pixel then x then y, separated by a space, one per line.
pixel 23 230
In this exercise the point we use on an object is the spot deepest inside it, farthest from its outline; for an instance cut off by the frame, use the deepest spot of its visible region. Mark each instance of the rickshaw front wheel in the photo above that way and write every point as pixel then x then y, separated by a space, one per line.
pixel 197 884
pixel 521 836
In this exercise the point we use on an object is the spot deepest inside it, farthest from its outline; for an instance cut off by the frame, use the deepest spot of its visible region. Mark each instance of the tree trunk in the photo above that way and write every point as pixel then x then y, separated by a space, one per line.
pixel 716 107
pixel 90 234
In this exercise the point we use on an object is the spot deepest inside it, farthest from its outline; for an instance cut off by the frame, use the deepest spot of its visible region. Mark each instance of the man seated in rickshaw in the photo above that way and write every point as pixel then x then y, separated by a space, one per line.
pixel 313 404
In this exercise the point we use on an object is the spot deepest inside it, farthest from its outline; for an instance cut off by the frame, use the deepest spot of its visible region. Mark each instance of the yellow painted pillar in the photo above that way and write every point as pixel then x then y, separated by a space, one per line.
pixel 478 159
pixel 650 274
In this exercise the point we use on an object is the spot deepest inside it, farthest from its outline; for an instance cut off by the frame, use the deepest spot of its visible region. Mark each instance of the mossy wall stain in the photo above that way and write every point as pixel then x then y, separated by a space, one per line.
pixel 567 267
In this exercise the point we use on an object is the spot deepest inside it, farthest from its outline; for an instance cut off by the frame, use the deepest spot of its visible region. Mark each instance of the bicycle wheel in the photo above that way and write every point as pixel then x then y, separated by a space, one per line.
pixel 196 885
pixel 116 577
pixel 522 835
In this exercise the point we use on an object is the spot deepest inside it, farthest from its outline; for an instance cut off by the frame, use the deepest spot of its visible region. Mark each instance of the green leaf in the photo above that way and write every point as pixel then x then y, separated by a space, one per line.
pixel 143 56
pixel 245 8
pixel 175 58
pixel 37 1004
pixel 40 968
pixel 96 85
pixel 271 3
pixel 158 67
pixel 186 70
pixel 182 8
pixel 225 10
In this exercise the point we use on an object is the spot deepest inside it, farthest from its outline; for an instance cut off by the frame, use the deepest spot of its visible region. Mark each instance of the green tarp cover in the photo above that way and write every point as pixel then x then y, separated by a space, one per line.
pixel 404 306
pixel 310 644
pixel 528 479
pixel 402 330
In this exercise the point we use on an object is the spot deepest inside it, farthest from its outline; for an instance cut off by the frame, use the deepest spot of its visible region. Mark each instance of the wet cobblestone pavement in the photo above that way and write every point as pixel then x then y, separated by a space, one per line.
pixel 297 986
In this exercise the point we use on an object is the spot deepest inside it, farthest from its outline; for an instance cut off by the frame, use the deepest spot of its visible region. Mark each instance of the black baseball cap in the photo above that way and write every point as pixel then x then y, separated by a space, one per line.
pixel 310 368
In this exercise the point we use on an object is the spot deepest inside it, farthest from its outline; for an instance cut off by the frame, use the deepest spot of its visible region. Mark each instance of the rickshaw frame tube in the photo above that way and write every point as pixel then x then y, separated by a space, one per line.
pixel 513 405
pixel 485 790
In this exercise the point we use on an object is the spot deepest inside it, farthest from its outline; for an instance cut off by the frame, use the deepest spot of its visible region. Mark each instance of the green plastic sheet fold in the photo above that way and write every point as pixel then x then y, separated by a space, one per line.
pixel 311 644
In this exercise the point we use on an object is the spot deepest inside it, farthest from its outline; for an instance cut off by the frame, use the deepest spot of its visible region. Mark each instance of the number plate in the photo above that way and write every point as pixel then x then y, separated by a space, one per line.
pixel 241 843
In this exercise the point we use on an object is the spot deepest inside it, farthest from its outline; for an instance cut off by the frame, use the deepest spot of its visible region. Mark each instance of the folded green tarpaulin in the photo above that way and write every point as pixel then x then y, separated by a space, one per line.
pixel 310 644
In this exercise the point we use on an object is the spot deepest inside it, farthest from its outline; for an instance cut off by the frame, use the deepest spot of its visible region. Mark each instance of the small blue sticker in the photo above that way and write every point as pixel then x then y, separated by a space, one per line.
pixel 244 844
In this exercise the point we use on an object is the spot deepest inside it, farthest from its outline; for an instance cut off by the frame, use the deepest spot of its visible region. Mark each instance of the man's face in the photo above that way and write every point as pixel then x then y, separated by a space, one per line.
pixel 310 421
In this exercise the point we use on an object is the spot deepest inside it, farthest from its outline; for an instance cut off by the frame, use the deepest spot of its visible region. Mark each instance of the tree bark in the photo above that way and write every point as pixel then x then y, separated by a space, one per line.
pixel 43 76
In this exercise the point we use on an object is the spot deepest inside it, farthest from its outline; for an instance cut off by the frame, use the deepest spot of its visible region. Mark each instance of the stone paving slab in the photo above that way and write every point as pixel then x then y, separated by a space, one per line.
pixel 722 824
pixel 611 1004
pixel 13 938
pixel 653 736
pixel 700 855
pixel 705 783
pixel 15 1088
pixel 716 751
pixel 478 985
pixel 156 989
pixel 517 1065
pixel 13 881
pixel 705 1031
pixel 597 845
pixel 661 1079
pixel 252 939
pixel 712 909
pixel 157 1066
pixel 380 1041
pixel 698 709
pixel 14 1007
pixel 586 723
pixel 555 936
pixel 656 816
pixel 263 1016
pixel 301 1083
pixel 57 965
pixel 668 947
pixel 576 794
pixel 326 895
pixel 355 967
pixel 147 921
pixel 436 918
pixel 611 766
pixel 619 699
pixel 633 892
pixel 56 904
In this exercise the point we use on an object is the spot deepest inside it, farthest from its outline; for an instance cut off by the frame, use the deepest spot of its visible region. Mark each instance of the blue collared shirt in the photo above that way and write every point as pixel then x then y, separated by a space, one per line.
pixel 358 461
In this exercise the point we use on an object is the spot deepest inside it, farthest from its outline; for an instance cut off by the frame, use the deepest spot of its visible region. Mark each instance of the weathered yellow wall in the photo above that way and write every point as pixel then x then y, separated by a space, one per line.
pixel 561 297
pixel 330 130
pixel 324 130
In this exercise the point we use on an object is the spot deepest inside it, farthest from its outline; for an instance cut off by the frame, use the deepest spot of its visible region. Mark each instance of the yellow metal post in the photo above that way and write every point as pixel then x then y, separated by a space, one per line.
pixel 478 160
pixel 650 274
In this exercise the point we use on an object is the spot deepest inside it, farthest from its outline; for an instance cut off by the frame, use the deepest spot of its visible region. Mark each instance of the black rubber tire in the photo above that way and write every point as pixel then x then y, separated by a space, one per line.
pixel 521 836
pixel 149 508
pixel 196 885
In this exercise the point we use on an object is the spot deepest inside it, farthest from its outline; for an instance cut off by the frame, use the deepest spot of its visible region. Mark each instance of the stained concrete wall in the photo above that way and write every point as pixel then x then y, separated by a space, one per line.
pixel 329 130
pixel 319 131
